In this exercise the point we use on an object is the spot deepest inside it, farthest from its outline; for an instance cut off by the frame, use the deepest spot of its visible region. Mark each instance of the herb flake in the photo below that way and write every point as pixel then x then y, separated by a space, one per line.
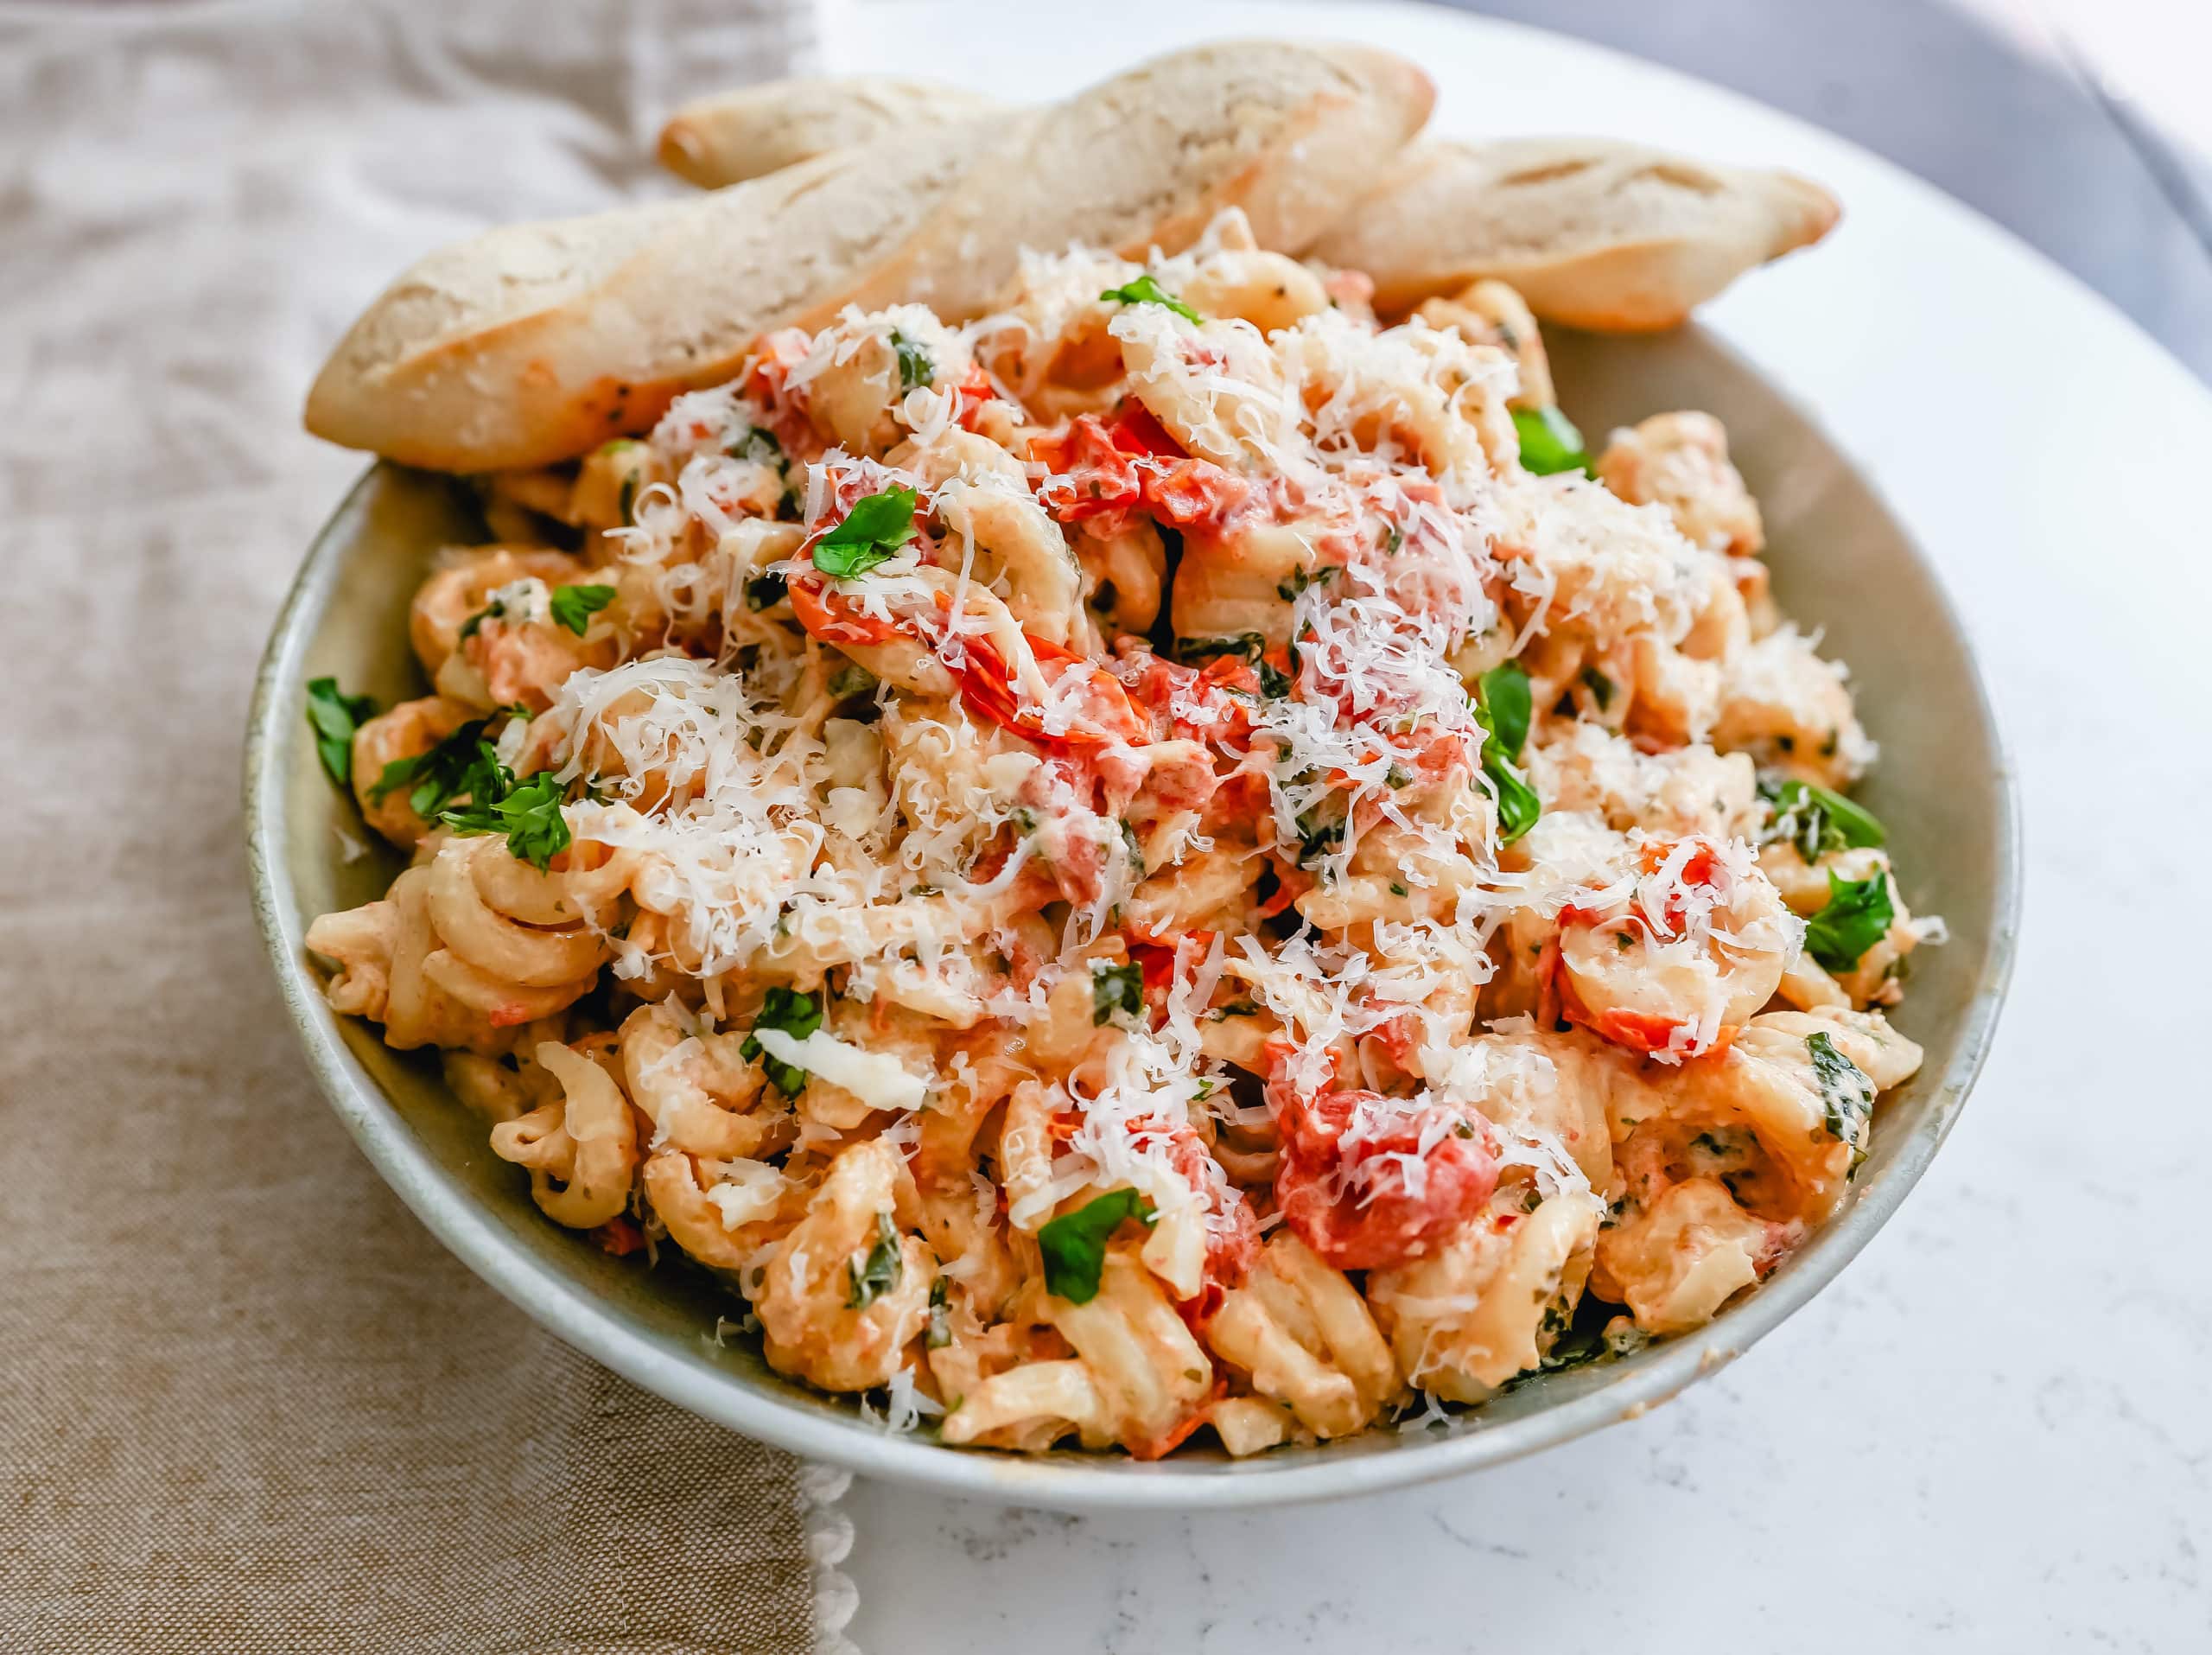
pixel 1549 442
pixel 872 533
pixel 575 606
pixel 1857 915
pixel 876 1271
pixel 1847 1094
pixel 1146 290
pixel 1074 1245
pixel 790 1012
pixel 1114 989
pixel 334 715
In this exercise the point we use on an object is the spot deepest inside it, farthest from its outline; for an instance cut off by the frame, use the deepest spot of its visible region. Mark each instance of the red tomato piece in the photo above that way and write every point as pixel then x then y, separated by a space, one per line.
pixel 1135 430
pixel 1104 714
pixel 1355 1184
pixel 1194 493
pixel 833 619
pixel 1094 475
pixel 969 396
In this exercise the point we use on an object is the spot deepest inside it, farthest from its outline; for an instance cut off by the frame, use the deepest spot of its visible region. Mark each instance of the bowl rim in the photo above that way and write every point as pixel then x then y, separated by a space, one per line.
pixel 596 1326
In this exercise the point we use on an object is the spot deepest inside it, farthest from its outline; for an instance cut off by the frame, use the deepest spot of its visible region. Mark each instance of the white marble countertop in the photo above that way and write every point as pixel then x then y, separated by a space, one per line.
pixel 1992 1430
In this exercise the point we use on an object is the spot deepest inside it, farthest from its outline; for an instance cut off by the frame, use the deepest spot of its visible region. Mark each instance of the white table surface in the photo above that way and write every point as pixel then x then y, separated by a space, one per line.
pixel 1993 1430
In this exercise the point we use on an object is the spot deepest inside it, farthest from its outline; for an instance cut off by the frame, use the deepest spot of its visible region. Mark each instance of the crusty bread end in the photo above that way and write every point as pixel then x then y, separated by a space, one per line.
pixel 757 130
pixel 1593 232
pixel 535 343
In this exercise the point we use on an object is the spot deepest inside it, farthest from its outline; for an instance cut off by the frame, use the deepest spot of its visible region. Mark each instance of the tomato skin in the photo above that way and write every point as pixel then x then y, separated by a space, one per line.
pixel 620 1236
pixel 986 688
pixel 826 616
pixel 1390 1223
pixel 1194 494
pixel 1135 430
pixel 970 394
pixel 1641 1031
pixel 1097 475
pixel 1111 467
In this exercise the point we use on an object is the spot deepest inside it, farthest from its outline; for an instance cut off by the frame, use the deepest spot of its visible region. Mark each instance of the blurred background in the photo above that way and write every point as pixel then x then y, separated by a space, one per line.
pixel 2084 126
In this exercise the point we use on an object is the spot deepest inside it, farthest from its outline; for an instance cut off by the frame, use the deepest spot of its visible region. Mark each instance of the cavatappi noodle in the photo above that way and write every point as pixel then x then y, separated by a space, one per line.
pixel 1130 868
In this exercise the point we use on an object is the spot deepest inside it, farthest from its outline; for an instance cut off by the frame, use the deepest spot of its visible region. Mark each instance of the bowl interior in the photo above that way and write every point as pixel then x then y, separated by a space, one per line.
pixel 1841 563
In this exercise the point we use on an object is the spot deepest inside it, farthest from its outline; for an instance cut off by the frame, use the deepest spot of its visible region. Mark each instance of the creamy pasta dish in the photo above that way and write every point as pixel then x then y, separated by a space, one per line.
pixel 1171 860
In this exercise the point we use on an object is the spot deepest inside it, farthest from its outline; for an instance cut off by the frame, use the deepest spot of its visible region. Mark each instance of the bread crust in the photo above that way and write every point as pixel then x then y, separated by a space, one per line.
pixel 533 344
pixel 755 131
pixel 1593 232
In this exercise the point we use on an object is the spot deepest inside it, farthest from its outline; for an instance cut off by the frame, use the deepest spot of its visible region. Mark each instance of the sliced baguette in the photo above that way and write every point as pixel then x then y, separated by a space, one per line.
pixel 1592 233
pixel 533 344
pixel 755 130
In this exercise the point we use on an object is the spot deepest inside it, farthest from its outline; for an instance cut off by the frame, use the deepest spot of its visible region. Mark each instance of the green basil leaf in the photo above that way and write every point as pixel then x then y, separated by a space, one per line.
pixel 794 1013
pixel 1518 806
pixel 1146 290
pixel 1600 687
pixel 1074 1246
pixel 876 1271
pixel 334 715
pixel 915 368
pixel 1116 988
pixel 575 606
pixel 1857 915
pixel 1549 442
pixel 872 533
pixel 1507 706
pixel 1816 820
pixel 940 1324
pixel 1847 1094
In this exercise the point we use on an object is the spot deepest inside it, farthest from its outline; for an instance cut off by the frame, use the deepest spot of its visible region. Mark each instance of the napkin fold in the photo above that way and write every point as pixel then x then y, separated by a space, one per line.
pixel 247 1404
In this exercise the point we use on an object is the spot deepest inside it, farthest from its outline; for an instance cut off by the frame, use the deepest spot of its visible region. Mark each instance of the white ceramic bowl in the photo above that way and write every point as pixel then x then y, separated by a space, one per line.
pixel 1943 787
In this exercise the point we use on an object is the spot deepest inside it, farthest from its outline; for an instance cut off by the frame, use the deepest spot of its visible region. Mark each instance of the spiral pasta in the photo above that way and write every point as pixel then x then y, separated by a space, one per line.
pixel 1161 863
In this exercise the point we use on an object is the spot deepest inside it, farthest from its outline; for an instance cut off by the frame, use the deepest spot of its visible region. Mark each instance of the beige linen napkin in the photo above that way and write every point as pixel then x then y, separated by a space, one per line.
pixel 246 1402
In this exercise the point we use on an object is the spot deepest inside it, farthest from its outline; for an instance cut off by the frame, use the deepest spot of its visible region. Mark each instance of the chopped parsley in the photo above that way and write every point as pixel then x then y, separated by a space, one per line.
pixel 1134 846
pixel 872 533
pixel 1146 290
pixel 334 715
pixel 1074 1245
pixel 1114 989
pixel 940 1323
pixel 1847 1094
pixel 760 446
pixel 1301 578
pixel 1857 915
pixel 457 768
pixel 792 1012
pixel 876 1271
pixel 1815 820
pixel 1549 442
pixel 915 368
pixel 528 812
pixel 1319 834
pixel 575 606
